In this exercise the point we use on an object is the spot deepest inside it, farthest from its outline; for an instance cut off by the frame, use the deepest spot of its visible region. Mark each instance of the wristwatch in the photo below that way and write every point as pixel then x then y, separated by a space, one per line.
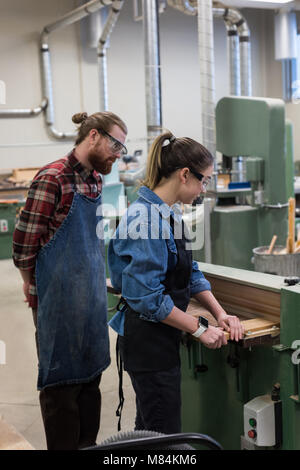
pixel 203 325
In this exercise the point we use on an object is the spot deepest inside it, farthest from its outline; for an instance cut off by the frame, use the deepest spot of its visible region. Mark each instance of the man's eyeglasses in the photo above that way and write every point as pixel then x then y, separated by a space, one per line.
pixel 201 177
pixel 116 145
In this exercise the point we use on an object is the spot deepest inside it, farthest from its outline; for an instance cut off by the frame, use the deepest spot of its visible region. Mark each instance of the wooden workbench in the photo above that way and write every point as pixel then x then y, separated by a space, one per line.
pixel 258 330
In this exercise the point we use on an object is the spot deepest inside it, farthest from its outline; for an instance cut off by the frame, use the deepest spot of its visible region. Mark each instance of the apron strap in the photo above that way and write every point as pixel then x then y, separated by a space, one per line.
pixel 121 395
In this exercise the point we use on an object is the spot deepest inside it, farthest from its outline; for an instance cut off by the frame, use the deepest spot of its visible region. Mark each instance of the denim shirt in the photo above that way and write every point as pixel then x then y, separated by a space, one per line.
pixel 140 253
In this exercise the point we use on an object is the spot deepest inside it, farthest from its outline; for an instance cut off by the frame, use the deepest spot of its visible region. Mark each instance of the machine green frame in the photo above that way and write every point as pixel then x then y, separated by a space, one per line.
pixel 254 128
pixel 217 383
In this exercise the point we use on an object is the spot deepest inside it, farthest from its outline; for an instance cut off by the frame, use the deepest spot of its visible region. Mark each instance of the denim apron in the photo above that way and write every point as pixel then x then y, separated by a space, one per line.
pixel 149 346
pixel 72 302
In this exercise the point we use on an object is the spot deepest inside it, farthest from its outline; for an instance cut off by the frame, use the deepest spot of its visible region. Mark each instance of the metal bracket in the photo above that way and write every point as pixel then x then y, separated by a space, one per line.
pixel 280 347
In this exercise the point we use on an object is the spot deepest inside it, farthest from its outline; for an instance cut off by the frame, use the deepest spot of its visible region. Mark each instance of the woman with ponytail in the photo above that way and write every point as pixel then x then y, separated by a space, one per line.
pixel 151 265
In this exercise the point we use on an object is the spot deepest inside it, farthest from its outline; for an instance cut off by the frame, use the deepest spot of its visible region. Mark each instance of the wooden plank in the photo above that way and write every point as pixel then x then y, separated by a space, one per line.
pixel 290 243
pixel 258 310
pixel 254 327
pixel 23 174
pixel 250 302
pixel 272 244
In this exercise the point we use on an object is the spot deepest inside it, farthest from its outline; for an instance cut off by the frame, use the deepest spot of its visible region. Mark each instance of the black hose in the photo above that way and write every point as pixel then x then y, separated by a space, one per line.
pixel 153 440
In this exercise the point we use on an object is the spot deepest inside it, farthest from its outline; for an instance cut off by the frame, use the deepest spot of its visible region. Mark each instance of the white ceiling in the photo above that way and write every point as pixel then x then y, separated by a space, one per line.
pixel 295 5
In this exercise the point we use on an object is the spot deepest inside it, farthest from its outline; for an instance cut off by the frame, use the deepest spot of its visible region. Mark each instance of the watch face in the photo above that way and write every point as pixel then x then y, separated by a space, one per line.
pixel 203 322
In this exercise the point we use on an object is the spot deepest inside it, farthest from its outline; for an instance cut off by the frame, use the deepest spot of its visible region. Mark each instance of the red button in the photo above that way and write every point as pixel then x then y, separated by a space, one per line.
pixel 252 434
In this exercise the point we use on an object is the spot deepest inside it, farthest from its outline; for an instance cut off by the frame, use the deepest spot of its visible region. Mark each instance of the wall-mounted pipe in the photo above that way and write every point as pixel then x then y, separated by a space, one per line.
pixel 207 73
pixel 68 19
pixel 21 113
pixel 47 102
pixel 234 17
pixel 136 13
pixel 240 61
pixel 152 69
pixel 47 86
pixel 285 31
pixel 75 15
pixel 233 51
pixel 184 6
pixel 102 46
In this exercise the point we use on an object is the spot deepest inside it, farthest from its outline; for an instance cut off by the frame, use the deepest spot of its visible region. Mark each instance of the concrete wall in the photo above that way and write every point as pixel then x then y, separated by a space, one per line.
pixel 25 142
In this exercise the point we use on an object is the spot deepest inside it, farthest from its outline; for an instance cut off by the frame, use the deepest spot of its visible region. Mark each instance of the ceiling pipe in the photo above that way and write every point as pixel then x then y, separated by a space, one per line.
pixel 23 113
pixel 68 19
pixel 152 69
pixel 207 73
pixel 102 46
pixel 234 17
pixel 239 60
pixel 47 104
pixel 285 30
pixel 207 86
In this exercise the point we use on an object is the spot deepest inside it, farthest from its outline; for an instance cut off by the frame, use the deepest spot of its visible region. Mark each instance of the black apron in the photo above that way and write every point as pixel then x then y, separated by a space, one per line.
pixel 154 346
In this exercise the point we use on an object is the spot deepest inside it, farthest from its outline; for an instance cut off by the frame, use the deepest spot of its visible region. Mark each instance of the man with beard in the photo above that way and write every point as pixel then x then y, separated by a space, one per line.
pixel 62 263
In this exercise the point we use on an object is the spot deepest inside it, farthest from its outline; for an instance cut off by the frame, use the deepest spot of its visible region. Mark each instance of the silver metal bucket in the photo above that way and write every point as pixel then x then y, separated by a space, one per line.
pixel 280 264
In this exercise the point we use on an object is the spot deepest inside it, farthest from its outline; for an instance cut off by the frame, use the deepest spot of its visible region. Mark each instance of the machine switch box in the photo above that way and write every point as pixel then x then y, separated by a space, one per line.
pixel 262 421
pixel 3 226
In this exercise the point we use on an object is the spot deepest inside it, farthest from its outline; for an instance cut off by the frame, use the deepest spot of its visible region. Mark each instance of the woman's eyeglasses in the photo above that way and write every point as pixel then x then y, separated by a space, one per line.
pixel 115 144
pixel 200 177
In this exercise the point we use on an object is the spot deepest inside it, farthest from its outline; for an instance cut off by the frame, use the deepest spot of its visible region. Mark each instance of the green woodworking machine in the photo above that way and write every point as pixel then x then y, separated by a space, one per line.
pixel 246 395
pixel 246 214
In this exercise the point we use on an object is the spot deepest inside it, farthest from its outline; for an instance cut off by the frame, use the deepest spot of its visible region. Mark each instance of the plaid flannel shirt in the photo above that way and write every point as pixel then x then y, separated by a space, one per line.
pixel 49 199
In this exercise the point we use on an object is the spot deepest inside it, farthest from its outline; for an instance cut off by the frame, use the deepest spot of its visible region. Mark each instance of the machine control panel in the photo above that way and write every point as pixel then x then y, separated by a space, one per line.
pixel 3 226
pixel 262 421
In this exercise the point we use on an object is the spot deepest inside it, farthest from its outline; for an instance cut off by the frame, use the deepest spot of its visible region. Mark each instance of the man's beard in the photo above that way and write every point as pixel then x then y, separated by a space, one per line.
pixel 103 167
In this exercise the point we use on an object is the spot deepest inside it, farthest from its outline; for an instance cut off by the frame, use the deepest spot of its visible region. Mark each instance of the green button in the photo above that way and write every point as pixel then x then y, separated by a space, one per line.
pixel 252 422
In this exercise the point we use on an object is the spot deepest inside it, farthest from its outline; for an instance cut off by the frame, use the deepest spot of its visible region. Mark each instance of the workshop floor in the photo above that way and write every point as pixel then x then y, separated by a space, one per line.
pixel 19 403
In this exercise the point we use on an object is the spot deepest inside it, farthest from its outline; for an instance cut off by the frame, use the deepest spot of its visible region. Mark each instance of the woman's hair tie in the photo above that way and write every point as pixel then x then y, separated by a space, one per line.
pixel 168 140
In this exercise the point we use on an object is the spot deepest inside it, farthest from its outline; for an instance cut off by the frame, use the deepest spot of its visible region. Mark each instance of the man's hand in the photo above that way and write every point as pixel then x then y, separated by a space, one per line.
pixel 213 338
pixel 26 286
pixel 232 324
pixel 27 278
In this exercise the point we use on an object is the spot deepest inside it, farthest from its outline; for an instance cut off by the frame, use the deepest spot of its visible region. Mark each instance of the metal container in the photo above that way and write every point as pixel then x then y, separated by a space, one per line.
pixel 280 264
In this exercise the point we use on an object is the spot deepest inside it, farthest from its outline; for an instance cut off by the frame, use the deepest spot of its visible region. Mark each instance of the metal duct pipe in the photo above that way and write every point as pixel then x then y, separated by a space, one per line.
pixel 233 59
pixel 47 103
pixel 152 69
pixel 102 46
pixel 207 72
pixel 234 17
pixel 239 60
pixel 233 48
pixel 21 113
pixel 68 19
pixel 286 49
pixel 184 6
pixel 75 15
pixel 207 84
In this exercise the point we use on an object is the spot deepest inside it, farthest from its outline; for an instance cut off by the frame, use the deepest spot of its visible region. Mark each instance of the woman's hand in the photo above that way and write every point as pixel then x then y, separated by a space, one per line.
pixel 232 324
pixel 213 338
